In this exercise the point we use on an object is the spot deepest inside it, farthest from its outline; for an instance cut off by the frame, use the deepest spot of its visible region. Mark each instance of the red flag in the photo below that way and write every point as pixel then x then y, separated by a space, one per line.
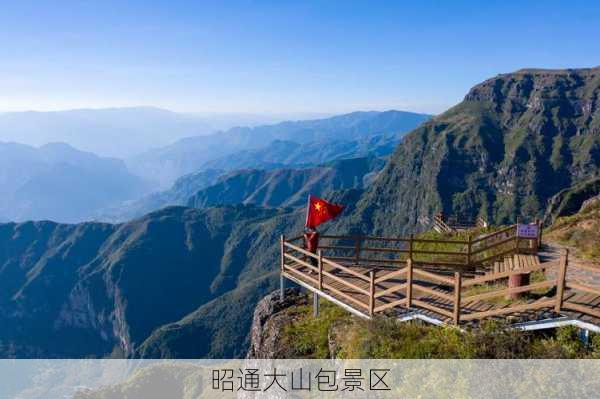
pixel 320 211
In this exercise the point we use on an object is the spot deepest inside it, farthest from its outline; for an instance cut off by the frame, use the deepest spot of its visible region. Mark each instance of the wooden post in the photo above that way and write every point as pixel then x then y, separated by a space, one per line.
pixel 457 289
pixel 409 277
pixel 282 261
pixel 315 305
pixel 320 260
pixel 470 239
pixel 560 283
pixel 357 250
pixel 282 248
pixel 371 292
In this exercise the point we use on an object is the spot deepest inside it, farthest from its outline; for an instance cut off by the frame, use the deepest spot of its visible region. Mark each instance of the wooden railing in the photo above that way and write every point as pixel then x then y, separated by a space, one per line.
pixel 469 255
pixel 414 272
pixel 584 308
pixel 454 223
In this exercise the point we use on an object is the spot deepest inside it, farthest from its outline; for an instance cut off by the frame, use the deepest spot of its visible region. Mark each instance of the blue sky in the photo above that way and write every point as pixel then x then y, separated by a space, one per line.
pixel 280 56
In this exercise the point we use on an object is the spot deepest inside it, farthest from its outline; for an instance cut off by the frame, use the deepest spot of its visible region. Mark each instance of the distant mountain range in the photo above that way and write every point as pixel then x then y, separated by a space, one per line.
pixel 114 132
pixel 340 136
pixel 58 182
pixel 123 132
pixel 280 187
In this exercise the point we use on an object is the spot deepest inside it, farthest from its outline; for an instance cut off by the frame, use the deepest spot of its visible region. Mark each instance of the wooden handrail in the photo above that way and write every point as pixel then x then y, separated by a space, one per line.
pixel 391 250
pixel 466 261
pixel 337 247
pixel 430 241
pixel 367 260
pixel 433 252
pixel 512 309
pixel 289 269
pixel 300 261
pixel 495 233
pixel 347 283
pixel 585 267
pixel 417 287
pixel 391 275
pixel 432 276
pixel 494 245
pixel 497 276
pixel 345 296
pixel 301 250
pixel 583 287
pixel 507 291
pixel 390 290
pixel 581 308
pixel 393 304
pixel 346 269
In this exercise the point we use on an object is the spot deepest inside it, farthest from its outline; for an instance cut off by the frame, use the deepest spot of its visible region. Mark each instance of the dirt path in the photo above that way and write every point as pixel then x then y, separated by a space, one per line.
pixel 552 251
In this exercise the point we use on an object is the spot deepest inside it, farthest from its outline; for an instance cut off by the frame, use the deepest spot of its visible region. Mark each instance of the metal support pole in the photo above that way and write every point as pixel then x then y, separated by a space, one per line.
pixel 281 287
pixel 457 293
pixel 315 304
pixel 560 284
pixel 584 335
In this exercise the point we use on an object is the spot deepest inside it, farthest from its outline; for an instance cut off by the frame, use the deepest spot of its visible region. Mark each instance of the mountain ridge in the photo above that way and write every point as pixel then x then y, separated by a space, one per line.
pixel 514 142
pixel 191 154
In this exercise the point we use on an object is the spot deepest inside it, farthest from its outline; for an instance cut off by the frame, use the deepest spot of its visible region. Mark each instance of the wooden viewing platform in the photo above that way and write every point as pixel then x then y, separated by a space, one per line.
pixel 442 281
pixel 453 224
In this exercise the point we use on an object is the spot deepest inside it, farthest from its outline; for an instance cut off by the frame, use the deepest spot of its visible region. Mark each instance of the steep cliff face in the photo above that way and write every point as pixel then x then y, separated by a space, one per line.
pixel 270 318
pixel 515 140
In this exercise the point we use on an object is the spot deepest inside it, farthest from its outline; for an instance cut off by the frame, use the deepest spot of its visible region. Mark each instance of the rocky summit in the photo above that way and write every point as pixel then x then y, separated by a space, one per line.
pixel 512 143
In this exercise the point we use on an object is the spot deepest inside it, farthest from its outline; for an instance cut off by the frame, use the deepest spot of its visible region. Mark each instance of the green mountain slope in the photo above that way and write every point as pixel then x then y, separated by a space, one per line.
pixel 515 141
pixel 88 289
pixel 280 153
pixel 286 187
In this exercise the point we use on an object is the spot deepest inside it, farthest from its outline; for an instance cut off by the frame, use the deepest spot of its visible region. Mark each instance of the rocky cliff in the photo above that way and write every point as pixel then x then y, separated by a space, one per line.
pixel 515 141
pixel 270 318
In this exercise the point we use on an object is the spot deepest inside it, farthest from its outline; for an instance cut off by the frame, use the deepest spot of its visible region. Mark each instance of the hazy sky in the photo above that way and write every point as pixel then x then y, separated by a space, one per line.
pixel 279 56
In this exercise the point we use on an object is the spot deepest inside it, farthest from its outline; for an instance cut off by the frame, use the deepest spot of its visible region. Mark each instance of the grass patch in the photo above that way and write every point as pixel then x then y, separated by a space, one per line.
pixel 581 231
pixel 385 338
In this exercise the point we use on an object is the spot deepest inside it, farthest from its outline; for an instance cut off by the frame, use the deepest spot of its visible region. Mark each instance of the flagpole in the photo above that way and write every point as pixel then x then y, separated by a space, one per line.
pixel 307 210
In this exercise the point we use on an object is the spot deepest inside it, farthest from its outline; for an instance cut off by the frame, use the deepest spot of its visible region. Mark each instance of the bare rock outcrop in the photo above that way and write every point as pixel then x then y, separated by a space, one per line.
pixel 268 323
